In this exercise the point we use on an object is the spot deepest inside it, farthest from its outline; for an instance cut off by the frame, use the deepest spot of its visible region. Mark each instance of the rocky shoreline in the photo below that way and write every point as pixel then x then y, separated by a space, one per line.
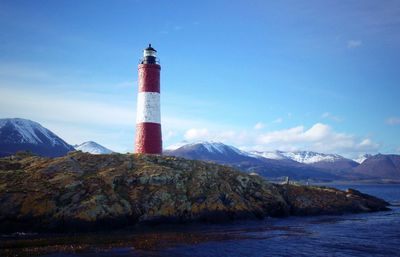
pixel 81 192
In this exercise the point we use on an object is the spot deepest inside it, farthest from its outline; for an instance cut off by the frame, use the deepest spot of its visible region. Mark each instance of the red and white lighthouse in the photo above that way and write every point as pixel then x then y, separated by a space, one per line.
pixel 148 118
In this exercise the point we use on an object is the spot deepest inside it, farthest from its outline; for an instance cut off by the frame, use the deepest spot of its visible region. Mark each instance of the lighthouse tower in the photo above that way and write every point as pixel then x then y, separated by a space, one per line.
pixel 148 120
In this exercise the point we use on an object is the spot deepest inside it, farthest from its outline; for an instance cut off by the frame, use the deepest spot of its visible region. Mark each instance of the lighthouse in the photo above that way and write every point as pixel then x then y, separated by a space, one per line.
pixel 148 119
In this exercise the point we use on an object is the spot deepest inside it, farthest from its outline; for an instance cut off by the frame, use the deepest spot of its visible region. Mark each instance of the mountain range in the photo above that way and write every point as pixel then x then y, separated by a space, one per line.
pixel 93 148
pixel 299 165
pixel 21 134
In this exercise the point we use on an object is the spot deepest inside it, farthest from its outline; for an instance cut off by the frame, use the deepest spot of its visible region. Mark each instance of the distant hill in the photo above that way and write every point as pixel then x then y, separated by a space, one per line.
pixel 342 166
pixel 300 156
pixel 299 165
pixel 380 166
pixel 93 148
pixel 331 162
pixel 26 135
pixel 250 161
pixel 211 151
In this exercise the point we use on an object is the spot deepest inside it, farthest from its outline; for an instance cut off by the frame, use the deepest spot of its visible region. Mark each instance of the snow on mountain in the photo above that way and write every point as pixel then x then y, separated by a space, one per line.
pixel 362 158
pixel 213 151
pixel 30 132
pixel 311 157
pixel 306 157
pixel 93 148
pixel 26 135
pixel 209 146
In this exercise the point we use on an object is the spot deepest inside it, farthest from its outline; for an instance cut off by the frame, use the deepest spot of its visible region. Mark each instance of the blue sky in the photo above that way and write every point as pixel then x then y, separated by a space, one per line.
pixel 264 75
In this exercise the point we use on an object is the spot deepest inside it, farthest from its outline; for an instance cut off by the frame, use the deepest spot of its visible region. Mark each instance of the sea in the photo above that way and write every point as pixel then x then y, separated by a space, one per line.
pixel 367 234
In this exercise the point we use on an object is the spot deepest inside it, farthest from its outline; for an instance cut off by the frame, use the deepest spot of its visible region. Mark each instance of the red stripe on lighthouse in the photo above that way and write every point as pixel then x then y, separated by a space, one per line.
pixel 149 78
pixel 148 138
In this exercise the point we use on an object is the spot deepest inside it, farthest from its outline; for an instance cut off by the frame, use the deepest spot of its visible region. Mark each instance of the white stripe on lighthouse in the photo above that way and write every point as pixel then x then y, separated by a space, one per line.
pixel 148 107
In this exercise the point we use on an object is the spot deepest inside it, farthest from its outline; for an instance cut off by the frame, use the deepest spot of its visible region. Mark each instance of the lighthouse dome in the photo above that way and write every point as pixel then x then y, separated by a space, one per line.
pixel 150 51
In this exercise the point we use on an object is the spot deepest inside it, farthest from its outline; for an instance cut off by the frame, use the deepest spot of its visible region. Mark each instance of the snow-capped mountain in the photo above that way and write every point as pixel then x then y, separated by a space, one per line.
pixel 380 166
pixel 362 158
pixel 312 157
pixel 248 162
pixel 333 163
pixel 212 151
pixel 218 147
pixel 21 134
pixel 93 148
pixel 296 165
pixel 307 157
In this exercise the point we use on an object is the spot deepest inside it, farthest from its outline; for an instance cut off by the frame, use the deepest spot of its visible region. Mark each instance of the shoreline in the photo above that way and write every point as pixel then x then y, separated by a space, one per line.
pixel 140 241
pixel 340 182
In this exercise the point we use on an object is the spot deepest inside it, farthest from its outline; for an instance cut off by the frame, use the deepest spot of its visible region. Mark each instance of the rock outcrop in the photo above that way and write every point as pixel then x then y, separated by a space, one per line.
pixel 84 191
pixel 312 200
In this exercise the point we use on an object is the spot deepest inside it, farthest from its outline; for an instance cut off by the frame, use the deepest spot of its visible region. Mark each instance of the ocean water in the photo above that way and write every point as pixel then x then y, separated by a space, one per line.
pixel 370 234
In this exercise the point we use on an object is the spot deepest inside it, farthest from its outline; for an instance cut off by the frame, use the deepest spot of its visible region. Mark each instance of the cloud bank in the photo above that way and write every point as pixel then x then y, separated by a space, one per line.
pixel 319 137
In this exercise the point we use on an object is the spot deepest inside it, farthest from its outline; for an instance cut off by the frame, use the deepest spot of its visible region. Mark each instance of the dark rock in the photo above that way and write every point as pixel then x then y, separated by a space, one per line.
pixel 310 200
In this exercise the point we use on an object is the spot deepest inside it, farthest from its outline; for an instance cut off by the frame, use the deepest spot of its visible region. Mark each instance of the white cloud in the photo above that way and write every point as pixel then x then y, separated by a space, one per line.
pixel 393 121
pixel 317 132
pixel 296 135
pixel 319 137
pixel 367 143
pixel 286 135
pixel 259 125
pixel 354 43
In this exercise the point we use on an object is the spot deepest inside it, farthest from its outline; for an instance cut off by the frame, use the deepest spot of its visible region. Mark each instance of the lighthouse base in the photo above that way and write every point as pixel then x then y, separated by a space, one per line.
pixel 148 138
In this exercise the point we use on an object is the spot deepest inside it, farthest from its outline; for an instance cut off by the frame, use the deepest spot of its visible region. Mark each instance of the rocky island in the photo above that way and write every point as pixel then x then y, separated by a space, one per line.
pixel 81 191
